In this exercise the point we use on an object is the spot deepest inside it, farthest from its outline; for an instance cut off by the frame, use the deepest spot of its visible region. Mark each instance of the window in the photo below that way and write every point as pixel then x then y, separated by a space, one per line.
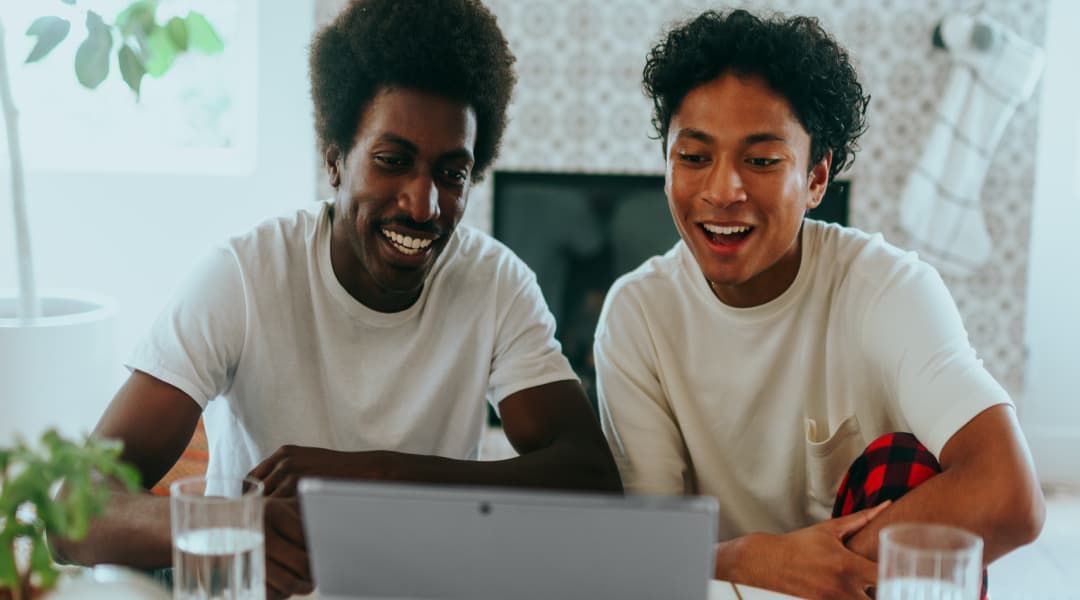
pixel 197 118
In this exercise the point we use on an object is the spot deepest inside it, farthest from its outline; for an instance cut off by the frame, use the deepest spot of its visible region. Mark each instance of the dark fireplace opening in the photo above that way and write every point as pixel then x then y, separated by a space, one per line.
pixel 580 232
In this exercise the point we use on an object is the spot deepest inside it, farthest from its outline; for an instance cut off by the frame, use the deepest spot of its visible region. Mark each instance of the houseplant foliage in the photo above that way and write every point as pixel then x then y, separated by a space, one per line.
pixel 29 478
pixel 142 43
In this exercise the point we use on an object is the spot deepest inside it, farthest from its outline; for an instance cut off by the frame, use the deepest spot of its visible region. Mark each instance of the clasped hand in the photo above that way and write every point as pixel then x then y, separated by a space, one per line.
pixel 812 562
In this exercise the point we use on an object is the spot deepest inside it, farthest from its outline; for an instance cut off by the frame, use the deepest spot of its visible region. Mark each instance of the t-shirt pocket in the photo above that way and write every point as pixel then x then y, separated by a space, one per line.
pixel 828 457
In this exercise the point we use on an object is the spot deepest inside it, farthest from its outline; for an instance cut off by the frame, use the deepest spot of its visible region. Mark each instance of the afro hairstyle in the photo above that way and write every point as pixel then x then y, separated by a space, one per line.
pixel 452 48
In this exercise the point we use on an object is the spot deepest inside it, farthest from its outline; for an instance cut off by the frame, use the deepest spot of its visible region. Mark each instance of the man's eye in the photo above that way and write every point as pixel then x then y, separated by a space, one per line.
pixel 763 162
pixel 458 176
pixel 391 160
pixel 692 158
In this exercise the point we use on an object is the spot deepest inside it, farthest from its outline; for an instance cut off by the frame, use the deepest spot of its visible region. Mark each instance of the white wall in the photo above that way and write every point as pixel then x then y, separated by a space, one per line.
pixel 132 236
pixel 1050 412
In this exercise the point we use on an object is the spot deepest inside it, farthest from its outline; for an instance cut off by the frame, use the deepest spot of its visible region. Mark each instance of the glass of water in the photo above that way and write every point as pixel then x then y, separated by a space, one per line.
pixel 217 529
pixel 920 561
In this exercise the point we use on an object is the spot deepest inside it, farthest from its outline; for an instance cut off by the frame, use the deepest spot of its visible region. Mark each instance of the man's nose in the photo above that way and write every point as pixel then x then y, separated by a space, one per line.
pixel 723 185
pixel 420 198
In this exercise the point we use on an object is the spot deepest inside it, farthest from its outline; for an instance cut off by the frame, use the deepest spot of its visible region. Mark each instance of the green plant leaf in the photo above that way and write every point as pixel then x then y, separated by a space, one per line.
pixel 69 2
pixel 129 475
pixel 50 31
pixel 92 57
pixel 201 34
pixel 41 563
pixel 137 19
pixel 53 516
pixel 131 68
pixel 32 474
pixel 178 31
pixel 9 574
pixel 160 52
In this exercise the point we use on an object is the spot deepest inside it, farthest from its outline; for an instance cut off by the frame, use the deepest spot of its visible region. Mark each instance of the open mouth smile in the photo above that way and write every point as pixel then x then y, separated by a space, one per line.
pixel 726 237
pixel 407 244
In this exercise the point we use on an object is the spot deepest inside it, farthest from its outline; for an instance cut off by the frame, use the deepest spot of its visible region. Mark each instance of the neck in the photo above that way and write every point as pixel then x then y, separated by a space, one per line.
pixel 766 286
pixel 351 274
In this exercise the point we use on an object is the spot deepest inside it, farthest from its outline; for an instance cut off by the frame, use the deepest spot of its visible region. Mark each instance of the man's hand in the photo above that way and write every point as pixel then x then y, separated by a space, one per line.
pixel 809 563
pixel 281 472
pixel 288 571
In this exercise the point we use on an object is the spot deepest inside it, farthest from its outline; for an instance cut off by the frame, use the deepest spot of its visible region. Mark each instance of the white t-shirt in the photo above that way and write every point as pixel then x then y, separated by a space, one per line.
pixel 766 407
pixel 264 326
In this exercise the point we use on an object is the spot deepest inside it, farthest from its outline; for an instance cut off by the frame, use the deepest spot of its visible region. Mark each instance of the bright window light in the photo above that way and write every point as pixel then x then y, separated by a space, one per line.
pixel 199 117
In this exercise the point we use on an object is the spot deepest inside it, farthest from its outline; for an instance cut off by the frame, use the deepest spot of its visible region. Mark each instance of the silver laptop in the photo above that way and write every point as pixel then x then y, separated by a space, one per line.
pixel 381 540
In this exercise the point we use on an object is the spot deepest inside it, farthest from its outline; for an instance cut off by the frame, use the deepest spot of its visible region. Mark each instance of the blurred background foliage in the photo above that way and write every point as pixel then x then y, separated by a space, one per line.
pixel 143 44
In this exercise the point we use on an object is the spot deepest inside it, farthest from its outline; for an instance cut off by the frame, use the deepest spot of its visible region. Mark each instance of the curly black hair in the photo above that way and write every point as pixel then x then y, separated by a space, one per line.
pixel 452 48
pixel 794 55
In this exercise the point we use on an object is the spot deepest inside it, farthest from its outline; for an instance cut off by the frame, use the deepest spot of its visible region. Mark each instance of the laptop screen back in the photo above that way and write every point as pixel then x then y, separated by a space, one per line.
pixel 379 540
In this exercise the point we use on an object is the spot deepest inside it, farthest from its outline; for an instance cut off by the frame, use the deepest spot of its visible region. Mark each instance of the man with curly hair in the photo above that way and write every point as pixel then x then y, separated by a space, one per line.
pixel 358 338
pixel 774 361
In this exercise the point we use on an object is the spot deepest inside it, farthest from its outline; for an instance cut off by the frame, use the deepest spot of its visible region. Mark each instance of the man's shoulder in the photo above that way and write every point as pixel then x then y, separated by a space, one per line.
pixel 853 256
pixel 658 275
pixel 281 233
pixel 474 255
pixel 659 286
pixel 860 269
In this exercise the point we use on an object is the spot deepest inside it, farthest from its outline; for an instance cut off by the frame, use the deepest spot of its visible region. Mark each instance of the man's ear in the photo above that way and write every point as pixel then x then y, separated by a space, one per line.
pixel 818 180
pixel 333 160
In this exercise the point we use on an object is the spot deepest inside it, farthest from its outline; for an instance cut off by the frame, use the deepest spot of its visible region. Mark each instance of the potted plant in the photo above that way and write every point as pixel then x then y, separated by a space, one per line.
pixel 72 329
pixel 31 509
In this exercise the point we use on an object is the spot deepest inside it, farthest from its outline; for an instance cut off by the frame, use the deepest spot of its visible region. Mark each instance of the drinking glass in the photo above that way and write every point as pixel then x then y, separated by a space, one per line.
pixel 920 561
pixel 217 529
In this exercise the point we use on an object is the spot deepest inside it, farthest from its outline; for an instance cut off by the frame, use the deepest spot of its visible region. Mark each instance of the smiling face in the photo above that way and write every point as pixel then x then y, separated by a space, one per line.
pixel 399 194
pixel 738 183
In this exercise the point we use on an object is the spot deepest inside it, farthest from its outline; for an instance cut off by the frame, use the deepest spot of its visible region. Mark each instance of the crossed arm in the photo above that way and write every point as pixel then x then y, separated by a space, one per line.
pixel 551 426
pixel 559 442
pixel 987 485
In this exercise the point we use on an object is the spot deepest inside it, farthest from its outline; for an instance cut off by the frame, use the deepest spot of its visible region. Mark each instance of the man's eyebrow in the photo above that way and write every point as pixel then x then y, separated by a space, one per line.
pixel 397 139
pixel 757 138
pixel 462 153
pixel 695 134
pixel 753 138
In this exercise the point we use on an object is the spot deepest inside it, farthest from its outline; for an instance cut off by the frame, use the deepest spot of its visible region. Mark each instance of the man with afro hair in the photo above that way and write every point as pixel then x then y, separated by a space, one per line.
pixel 798 371
pixel 359 337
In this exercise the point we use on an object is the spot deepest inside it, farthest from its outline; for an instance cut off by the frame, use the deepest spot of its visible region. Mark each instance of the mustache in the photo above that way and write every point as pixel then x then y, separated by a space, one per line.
pixel 408 223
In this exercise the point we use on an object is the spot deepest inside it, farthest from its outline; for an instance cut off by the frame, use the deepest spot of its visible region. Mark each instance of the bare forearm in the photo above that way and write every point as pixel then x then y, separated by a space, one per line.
pixel 1003 515
pixel 729 564
pixel 561 465
pixel 134 531
pixel 810 562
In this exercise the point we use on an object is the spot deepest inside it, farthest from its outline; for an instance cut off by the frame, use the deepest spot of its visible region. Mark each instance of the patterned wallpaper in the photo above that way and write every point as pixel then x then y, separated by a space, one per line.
pixel 579 108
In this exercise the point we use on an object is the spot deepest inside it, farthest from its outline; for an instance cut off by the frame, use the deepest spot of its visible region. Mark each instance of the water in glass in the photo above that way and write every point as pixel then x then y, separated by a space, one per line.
pixel 219 563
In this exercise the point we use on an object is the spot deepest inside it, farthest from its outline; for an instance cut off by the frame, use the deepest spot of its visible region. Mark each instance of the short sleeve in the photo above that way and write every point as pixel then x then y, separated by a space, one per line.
pixel 916 336
pixel 635 414
pixel 196 341
pixel 526 353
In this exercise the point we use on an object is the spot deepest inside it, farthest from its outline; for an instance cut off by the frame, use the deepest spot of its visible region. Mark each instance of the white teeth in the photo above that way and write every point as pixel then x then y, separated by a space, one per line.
pixel 726 230
pixel 406 244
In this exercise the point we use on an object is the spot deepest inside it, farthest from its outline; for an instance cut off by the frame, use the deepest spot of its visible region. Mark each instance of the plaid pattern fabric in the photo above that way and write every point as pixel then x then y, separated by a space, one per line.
pixel 891 465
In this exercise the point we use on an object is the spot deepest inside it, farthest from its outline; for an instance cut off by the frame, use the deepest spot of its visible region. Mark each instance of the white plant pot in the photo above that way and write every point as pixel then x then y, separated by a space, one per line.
pixel 58 370
pixel 106 582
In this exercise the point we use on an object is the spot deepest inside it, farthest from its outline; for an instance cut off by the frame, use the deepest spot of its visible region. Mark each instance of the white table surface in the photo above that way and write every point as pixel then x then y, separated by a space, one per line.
pixel 722 590
pixel 718 590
